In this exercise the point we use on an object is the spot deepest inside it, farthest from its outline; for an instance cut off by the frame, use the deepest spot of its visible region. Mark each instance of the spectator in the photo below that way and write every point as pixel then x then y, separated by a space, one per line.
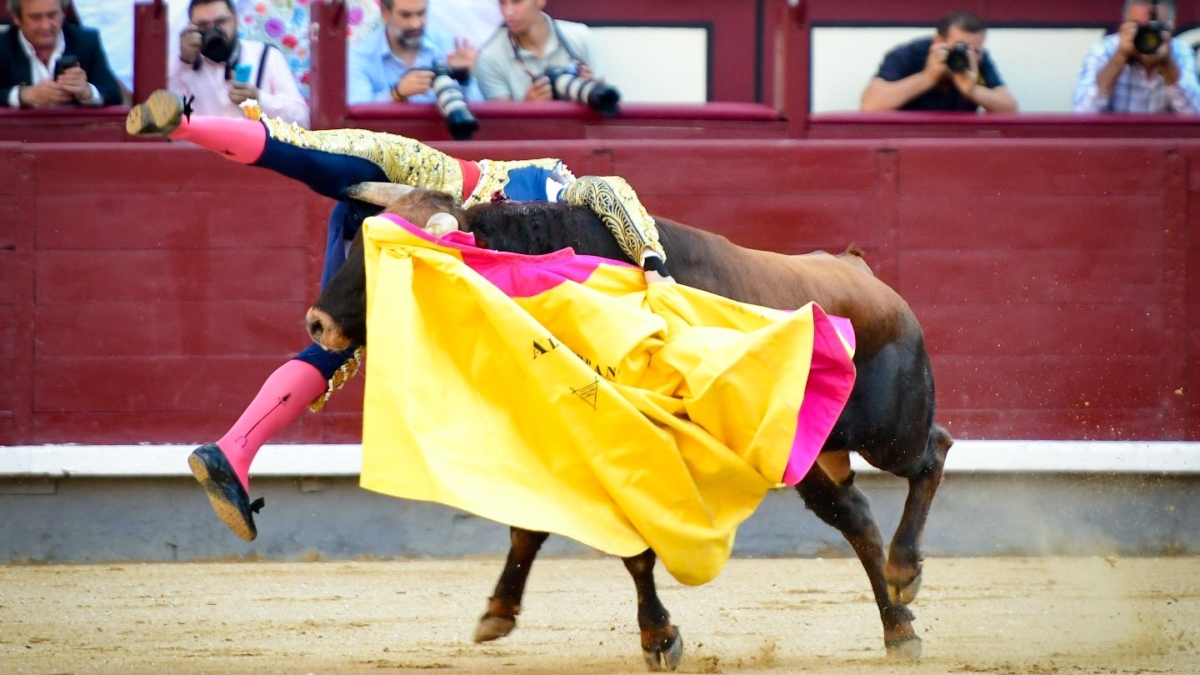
pixel 512 63
pixel 394 63
pixel 31 54
pixel 918 75
pixel 1119 77
pixel 221 71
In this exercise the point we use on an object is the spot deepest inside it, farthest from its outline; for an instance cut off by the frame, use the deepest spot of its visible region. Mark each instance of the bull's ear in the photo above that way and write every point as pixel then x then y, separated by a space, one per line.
pixel 379 194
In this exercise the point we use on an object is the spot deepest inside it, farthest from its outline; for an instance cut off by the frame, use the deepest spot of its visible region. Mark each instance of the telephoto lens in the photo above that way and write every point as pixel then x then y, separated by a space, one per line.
pixel 450 102
pixel 958 60
pixel 567 85
pixel 1148 38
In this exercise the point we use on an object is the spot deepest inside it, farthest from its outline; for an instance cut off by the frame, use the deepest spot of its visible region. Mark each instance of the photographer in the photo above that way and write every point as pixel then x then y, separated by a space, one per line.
pixel 513 62
pixel 950 71
pixel 397 62
pixel 1141 68
pixel 47 62
pixel 221 71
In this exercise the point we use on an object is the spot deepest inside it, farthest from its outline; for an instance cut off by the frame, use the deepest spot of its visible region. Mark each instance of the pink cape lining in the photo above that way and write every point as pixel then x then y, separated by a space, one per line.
pixel 523 276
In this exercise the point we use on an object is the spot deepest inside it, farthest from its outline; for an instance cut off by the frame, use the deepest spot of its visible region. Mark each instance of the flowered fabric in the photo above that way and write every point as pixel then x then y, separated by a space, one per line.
pixel 285 24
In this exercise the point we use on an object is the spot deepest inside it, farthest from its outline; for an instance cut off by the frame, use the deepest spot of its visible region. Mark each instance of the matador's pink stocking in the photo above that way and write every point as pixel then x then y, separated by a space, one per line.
pixel 285 394
pixel 241 140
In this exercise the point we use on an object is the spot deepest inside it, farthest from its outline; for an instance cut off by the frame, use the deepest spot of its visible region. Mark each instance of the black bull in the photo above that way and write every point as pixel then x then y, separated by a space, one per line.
pixel 888 419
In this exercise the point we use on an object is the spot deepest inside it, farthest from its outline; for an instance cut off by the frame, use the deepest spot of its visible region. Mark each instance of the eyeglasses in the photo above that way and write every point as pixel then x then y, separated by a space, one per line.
pixel 223 22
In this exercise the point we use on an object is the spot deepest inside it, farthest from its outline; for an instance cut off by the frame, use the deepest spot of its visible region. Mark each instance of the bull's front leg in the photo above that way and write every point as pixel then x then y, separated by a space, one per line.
pixel 505 604
pixel 662 645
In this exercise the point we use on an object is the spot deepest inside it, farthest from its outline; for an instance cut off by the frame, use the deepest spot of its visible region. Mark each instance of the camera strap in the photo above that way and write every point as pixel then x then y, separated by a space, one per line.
pixel 512 41
pixel 262 65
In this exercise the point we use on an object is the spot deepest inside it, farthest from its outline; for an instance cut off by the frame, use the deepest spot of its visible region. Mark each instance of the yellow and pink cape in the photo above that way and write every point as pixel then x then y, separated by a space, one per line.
pixel 559 393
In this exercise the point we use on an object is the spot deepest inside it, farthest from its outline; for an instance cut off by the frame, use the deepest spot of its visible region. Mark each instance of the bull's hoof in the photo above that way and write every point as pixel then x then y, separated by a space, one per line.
pixel 909 649
pixel 902 595
pixel 666 655
pixel 493 628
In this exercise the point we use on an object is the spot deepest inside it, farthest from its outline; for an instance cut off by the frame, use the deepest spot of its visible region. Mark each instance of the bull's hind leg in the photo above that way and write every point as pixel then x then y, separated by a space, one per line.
pixel 505 604
pixel 903 570
pixel 662 645
pixel 843 506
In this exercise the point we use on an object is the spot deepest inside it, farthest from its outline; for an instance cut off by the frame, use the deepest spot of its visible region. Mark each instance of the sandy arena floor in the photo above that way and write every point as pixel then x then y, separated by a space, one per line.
pixel 1039 616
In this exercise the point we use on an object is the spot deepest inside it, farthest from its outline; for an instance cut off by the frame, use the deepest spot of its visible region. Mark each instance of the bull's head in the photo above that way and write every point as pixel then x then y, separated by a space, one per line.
pixel 338 319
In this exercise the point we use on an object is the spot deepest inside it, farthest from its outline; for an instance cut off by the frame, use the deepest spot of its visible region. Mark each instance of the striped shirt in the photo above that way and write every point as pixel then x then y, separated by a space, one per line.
pixel 1136 90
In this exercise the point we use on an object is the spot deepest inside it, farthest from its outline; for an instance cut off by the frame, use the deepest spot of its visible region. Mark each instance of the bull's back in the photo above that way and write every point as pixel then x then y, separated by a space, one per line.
pixel 841 287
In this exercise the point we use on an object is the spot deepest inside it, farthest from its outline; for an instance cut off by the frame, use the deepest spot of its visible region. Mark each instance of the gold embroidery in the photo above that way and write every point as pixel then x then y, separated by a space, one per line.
pixel 403 160
pixel 340 377
pixel 493 176
pixel 611 198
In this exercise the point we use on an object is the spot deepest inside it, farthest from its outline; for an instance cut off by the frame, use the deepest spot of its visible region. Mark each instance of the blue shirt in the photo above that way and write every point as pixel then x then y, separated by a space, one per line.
pixel 1137 91
pixel 372 69
pixel 909 59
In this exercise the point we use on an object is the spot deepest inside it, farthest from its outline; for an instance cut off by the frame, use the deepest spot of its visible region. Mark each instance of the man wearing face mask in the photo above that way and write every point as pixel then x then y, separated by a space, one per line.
pixel 395 62
pixel 220 71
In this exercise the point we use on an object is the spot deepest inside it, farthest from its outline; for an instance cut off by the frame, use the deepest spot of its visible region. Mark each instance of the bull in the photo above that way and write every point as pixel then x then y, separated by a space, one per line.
pixel 888 419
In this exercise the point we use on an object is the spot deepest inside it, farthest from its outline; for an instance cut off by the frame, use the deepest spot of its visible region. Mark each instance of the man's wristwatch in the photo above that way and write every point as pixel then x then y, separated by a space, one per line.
pixel 397 96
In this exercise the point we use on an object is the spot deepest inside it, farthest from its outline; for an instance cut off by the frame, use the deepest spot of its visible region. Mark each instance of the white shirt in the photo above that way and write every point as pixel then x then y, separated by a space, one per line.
pixel 40 71
pixel 279 98
pixel 1138 91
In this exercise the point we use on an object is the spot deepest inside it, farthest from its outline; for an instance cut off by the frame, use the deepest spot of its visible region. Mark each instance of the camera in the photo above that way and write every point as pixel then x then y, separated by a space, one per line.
pixel 567 85
pixel 1148 38
pixel 450 102
pixel 958 59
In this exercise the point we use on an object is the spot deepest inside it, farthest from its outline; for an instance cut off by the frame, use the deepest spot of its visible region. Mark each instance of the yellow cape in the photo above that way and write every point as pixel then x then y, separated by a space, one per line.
pixel 622 416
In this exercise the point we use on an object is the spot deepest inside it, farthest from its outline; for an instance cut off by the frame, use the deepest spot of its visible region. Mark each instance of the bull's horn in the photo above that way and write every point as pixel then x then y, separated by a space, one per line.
pixel 379 194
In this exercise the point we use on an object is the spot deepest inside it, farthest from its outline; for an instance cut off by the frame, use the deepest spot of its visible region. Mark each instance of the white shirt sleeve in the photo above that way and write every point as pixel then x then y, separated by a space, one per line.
pixel 1087 92
pixel 280 95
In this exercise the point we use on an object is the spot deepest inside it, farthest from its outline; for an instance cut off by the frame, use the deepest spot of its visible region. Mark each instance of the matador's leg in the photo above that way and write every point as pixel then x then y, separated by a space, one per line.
pixel 618 206
pixel 327 161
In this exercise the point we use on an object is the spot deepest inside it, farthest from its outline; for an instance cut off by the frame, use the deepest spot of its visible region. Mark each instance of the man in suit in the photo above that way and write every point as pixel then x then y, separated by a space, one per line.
pixel 31 50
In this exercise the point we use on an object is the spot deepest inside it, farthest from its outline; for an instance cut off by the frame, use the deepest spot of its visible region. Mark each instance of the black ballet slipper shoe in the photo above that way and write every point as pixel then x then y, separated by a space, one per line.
pixel 229 499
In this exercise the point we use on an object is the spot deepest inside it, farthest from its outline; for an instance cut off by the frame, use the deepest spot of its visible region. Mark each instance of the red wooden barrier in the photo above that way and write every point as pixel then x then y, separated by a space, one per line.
pixel 147 289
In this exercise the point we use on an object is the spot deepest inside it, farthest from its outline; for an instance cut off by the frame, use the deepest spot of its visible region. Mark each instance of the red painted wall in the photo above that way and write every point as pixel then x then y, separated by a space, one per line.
pixel 146 290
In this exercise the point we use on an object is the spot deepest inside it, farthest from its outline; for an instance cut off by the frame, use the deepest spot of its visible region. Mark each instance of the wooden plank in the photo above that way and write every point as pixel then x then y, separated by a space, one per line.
pixel 136 385
pixel 8 391
pixel 1032 329
pixel 778 222
pixel 1125 424
pixel 749 167
pixel 1055 275
pixel 1052 381
pixel 150 168
pixel 10 171
pixel 8 339
pixel 135 219
pixel 12 276
pixel 180 275
pixel 10 223
pixel 1031 221
pixel 234 328
pixel 19 281
pixel 1008 166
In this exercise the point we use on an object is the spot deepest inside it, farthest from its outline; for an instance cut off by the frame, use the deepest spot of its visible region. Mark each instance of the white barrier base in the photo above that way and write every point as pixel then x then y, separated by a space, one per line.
pixel 133 461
